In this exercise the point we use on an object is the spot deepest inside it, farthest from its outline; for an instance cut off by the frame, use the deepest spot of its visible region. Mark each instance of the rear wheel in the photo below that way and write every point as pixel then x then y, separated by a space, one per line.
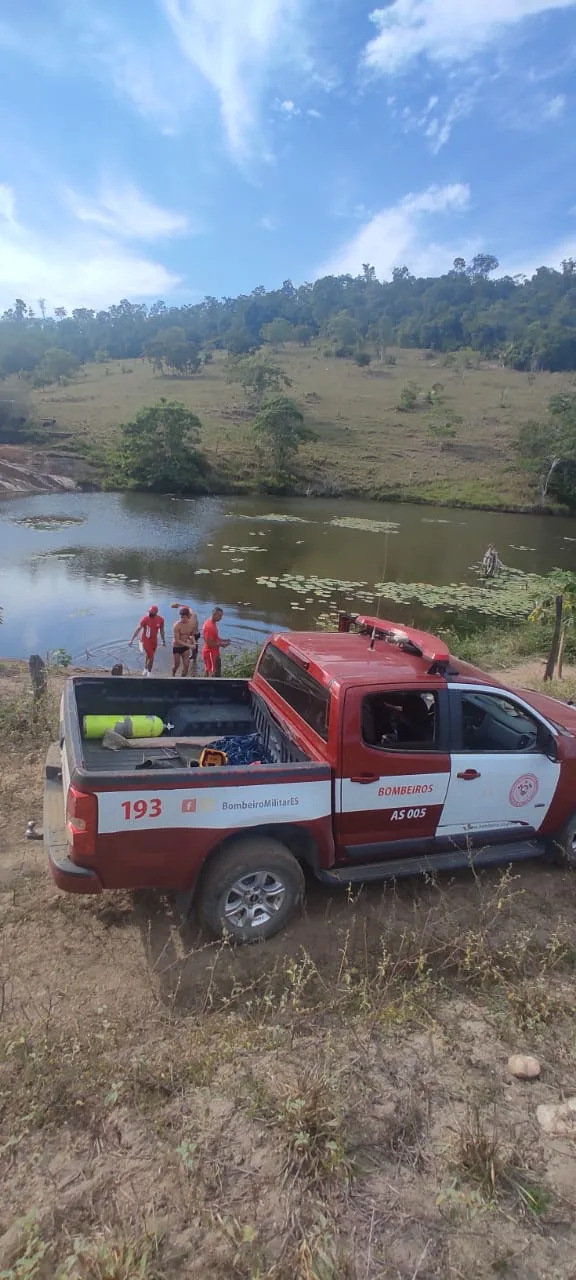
pixel 251 891
pixel 564 845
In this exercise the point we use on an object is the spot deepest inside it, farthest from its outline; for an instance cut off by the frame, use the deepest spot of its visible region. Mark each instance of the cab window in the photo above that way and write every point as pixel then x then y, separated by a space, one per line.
pixel 491 722
pixel 300 691
pixel 403 721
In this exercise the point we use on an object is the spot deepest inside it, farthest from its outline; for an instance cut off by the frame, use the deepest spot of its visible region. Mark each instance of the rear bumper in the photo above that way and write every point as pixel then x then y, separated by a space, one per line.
pixel 68 876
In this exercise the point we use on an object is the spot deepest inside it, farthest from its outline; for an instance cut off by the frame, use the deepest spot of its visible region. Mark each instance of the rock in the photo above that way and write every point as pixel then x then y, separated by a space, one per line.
pixel 523 1067
pixel 558 1119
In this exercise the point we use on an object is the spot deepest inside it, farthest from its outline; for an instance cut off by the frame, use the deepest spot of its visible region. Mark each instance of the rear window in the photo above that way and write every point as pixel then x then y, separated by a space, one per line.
pixel 302 693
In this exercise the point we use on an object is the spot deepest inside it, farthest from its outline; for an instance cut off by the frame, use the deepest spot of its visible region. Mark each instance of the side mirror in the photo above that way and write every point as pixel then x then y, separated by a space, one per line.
pixel 546 742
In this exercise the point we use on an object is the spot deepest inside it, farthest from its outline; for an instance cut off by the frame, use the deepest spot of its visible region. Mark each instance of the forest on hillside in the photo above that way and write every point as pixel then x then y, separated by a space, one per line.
pixel 527 324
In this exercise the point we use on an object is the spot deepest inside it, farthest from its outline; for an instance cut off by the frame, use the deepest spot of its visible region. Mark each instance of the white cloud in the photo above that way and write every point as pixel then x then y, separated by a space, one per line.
pixel 267 223
pixel 435 121
pixel 72 269
pixel 150 74
pixel 127 213
pixel 554 107
pixel 289 108
pixel 316 115
pixel 234 46
pixel 440 127
pixel 7 203
pixel 444 30
pixel 397 235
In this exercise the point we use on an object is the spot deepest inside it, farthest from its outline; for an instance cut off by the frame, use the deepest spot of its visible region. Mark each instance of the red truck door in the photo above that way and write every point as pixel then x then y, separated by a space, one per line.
pixel 395 770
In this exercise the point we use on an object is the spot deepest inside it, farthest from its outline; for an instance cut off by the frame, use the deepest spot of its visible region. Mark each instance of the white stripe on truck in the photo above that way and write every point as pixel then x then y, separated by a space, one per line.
pixel 394 793
pixel 222 807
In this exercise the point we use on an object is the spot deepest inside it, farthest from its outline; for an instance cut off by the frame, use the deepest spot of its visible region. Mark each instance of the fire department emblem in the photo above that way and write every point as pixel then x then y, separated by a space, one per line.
pixel 523 790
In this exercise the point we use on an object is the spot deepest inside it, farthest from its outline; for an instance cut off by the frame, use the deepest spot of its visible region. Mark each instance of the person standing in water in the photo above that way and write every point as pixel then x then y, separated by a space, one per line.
pixel 185 646
pixel 149 628
pixel 213 644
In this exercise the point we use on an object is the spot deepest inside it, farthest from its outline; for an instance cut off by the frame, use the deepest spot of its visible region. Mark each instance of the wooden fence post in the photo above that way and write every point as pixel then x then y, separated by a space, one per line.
pixel 38 675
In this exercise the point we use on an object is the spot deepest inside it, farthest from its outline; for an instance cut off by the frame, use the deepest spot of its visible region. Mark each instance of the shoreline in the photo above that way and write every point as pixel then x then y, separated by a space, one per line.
pixel 402 497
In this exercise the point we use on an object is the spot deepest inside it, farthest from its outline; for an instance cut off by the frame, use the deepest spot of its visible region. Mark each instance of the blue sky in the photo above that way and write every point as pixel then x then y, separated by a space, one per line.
pixel 178 148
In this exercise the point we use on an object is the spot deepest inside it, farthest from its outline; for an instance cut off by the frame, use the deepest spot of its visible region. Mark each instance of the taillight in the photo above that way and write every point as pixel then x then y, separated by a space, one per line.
pixel 81 822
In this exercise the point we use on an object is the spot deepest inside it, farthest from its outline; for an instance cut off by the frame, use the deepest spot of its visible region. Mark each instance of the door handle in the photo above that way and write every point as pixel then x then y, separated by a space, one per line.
pixel 469 775
pixel 364 778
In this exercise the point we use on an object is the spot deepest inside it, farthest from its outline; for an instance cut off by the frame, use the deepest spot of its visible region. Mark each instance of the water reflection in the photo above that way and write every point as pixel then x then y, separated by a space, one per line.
pixel 76 585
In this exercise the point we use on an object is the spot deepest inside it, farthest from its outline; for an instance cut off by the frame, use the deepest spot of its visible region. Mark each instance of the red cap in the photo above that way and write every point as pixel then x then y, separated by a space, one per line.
pixel 153 608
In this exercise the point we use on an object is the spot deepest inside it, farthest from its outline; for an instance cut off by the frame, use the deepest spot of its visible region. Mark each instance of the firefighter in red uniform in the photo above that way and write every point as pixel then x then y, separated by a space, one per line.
pixel 213 644
pixel 149 627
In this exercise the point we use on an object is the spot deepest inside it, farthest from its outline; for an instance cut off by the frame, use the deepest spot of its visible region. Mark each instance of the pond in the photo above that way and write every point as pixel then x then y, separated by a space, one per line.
pixel 78 570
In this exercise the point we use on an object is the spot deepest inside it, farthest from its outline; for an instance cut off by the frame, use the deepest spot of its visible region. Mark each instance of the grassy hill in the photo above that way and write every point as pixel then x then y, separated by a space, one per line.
pixel 365 446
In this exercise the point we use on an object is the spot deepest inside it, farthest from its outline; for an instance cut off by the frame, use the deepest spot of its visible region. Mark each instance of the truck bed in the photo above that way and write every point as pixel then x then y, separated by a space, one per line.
pixel 195 708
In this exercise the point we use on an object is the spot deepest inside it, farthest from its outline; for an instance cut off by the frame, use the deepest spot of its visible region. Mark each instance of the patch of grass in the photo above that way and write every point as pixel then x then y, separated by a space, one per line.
pixel 309 1117
pixel 318 1255
pixel 112 1257
pixel 30 1257
pixel 49 1080
pixel 240 666
pixel 403 1139
pixel 498 647
pixel 497 1173
pixel 27 722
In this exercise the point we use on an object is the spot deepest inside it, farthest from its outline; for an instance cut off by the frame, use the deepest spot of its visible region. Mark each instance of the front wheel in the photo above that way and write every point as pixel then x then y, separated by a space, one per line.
pixel 251 891
pixel 564 845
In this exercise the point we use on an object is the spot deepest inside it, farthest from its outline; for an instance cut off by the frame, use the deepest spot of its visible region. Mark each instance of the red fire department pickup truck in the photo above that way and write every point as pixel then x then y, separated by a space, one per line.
pixel 390 758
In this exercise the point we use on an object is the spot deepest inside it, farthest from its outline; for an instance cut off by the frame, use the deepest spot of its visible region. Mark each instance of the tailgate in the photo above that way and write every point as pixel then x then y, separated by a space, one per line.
pixel 68 876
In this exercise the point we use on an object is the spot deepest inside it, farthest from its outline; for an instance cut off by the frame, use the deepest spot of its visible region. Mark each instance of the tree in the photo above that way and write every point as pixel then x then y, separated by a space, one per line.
pixel 172 350
pixel 158 450
pixel 443 422
pixel 240 342
pixel 14 420
pixel 482 265
pixel 60 312
pixel 303 333
pixel 55 365
pixel 382 333
pixel 42 307
pixel 363 359
pixel 257 376
pixel 343 330
pixel 548 449
pixel 409 397
pixel 280 429
pixel 278 332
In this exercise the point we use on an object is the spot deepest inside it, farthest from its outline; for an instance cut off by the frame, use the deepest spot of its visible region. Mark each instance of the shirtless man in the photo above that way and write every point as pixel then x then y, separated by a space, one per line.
pixel 185 645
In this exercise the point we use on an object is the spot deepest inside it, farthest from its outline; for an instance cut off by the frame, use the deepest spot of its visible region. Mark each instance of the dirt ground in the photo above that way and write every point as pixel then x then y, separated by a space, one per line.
pixel 334 1105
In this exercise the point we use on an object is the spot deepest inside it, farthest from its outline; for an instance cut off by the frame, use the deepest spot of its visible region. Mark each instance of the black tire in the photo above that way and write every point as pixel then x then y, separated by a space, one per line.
pixel 563 846
pixel 275 900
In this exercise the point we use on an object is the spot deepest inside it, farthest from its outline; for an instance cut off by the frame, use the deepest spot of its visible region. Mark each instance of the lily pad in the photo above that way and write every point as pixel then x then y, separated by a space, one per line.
pixel 367 526
pixel 47 523
pixel 273 517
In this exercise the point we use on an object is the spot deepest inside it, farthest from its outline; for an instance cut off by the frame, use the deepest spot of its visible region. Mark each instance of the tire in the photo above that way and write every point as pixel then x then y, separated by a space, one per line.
pixel 251 891
pixel 563 846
